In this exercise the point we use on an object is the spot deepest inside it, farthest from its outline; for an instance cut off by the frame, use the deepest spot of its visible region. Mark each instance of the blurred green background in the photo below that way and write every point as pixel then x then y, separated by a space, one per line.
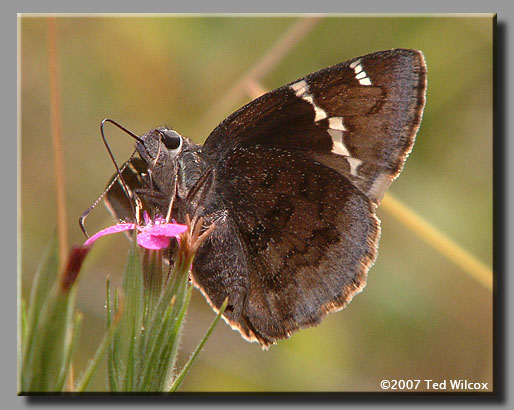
pixel 420 316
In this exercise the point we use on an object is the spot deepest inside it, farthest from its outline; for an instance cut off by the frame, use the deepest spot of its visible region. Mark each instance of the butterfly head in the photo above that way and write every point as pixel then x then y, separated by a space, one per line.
pixel 160 149
pixel 160 146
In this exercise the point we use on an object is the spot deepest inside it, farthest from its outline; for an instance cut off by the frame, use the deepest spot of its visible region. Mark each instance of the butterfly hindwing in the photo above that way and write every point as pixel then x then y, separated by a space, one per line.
pixel 300 237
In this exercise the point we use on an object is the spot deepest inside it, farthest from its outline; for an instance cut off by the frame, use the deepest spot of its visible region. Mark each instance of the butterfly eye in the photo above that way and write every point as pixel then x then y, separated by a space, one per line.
pixel 171 139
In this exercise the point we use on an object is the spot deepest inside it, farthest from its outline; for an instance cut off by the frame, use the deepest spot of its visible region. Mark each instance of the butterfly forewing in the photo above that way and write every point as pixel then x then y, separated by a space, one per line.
pixel 359 117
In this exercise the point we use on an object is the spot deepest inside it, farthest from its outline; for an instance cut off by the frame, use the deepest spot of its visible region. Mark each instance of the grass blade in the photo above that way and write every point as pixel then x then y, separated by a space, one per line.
pixel 93 365
pixel 49 343
pixel 168 342
pixel 44 281
pixel 131 321
pixel 70 349
pixel 175 336
pixel 23 317
pixel 159 332
pixel 180 378
pixel 112 359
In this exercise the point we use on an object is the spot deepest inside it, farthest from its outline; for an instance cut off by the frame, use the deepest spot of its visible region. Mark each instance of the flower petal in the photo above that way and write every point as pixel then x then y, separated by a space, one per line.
pixel 165 229
pixel 149 241
pixel 111 229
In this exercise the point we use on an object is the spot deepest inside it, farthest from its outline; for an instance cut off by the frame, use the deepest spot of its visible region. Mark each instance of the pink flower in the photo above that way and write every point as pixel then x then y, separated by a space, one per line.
pixel 153 235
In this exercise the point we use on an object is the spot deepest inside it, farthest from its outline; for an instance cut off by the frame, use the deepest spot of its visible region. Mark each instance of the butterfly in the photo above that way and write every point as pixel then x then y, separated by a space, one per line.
pixel 291 181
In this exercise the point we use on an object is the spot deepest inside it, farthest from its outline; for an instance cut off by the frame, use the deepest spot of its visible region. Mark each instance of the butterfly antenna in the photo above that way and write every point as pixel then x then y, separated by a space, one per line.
pixel 121 127
pixel 118 172
pixel 125 188
pixel 84 215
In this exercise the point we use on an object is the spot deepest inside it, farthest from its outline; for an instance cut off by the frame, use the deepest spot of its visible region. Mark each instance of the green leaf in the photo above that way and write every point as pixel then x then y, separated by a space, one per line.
pixel 145 346
pixel 93 365
pixel 49 336
pixel 153 282
pixel 69 350
pixel 175 338
pixel 50 343
pixel 129 335
pixel 23 317
pixel 180 378
pixel 54 328
pixel 45 279
pixel 112 359
pixel 160 341
pixel 153 277
pixel 168 340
